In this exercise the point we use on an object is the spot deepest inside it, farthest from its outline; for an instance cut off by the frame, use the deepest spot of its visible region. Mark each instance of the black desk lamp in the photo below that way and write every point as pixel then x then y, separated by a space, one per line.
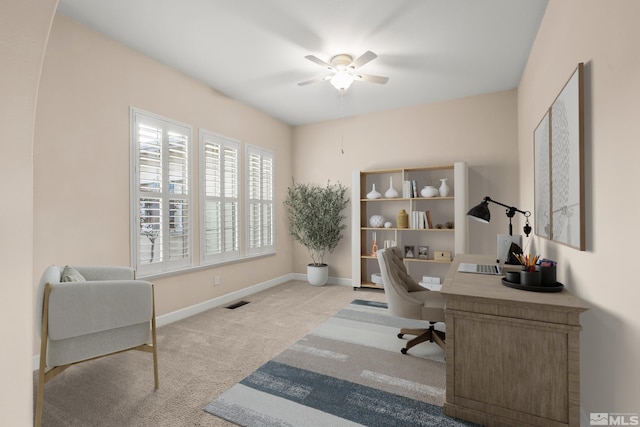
pixel 481 213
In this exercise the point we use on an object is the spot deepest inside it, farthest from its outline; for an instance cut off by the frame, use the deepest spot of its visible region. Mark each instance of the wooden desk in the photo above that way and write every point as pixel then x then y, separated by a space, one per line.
pixel 513 357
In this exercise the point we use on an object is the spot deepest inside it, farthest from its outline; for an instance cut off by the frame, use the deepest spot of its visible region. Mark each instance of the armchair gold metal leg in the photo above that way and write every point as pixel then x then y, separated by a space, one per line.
pixel 43 355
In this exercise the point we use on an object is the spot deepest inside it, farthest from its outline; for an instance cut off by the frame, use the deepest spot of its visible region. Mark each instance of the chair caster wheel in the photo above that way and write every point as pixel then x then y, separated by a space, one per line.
pixel 403 351
pixel 400 336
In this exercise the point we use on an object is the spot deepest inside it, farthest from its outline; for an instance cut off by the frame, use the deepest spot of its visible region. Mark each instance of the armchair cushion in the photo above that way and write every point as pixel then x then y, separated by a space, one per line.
pixel 112 307
pixel 81 308
pixel 70 274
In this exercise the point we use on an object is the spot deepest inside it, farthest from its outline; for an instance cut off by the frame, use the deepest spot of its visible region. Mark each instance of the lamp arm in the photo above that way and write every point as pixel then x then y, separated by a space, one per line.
pixel 511 209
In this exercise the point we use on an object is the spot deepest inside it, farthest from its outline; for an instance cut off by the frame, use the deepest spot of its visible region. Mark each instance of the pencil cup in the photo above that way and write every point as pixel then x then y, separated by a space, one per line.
pixel 513 276
pixel 530 278
pixel 547 275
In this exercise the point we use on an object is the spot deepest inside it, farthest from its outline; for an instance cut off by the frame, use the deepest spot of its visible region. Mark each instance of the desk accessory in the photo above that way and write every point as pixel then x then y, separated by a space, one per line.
pixel 530 278
pixel 556 287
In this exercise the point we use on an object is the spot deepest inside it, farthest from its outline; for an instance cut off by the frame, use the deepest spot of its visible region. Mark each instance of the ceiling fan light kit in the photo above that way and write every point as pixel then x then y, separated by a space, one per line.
pixel 341 80
pixel 343 70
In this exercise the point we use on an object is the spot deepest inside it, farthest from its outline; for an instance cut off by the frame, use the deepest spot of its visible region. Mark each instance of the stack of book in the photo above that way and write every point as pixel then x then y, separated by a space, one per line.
pixel 420 219
pixel 410 189
pixel 431 283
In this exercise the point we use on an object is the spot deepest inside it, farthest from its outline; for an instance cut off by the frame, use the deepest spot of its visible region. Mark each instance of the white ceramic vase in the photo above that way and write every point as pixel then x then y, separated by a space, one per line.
pixel 373 194
pixel 429 191
pixel 391 193
pixel 444 188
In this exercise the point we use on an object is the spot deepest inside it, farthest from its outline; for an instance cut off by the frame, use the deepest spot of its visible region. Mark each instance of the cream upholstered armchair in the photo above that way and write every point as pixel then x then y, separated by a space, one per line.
pixel 84 313
pixel 406 298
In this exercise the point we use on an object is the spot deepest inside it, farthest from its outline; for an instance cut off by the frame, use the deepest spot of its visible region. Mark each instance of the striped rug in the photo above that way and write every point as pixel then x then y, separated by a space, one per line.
pixel 347 372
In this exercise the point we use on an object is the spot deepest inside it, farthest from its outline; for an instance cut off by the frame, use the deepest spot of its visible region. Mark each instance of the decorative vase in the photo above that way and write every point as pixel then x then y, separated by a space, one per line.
pixel 373 194
pixel 376 221
pixel 391 192
pixel 317 275
pixel 444 188
pixel 403 219
pixel 429 191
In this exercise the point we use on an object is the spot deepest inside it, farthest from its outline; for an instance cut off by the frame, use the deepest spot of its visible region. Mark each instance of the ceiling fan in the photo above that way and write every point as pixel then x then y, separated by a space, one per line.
pixel 343 70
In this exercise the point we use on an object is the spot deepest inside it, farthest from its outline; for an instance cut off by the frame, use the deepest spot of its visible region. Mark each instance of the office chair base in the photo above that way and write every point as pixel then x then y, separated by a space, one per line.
pixel 422 335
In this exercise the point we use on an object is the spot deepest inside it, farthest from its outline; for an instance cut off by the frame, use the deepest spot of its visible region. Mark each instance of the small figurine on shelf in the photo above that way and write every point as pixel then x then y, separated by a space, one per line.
pixel 374 246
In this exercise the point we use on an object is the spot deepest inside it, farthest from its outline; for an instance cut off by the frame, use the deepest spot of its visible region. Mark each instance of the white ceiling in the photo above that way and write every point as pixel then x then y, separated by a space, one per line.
pixel 253 50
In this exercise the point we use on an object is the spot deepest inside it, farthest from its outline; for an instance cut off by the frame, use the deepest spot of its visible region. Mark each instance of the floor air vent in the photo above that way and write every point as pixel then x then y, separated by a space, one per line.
pixel 237 304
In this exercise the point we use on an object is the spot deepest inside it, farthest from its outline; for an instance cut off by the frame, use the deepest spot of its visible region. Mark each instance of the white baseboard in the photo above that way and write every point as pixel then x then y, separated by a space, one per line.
pixel 183 313
pixel 330 281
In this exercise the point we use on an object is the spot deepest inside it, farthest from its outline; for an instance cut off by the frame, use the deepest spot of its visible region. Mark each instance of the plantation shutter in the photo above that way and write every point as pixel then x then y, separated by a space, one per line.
pixel 260 221
pixel 220 190
pixel 179 208
pixel 161 226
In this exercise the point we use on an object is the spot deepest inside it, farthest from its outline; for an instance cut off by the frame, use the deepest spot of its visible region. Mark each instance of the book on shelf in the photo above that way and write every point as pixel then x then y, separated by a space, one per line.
pixel 428 216
pixel 410 189
pixel 420 219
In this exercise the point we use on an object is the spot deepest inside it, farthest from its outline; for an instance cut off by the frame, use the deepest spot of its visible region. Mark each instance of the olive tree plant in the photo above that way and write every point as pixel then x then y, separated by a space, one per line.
pixel 315 217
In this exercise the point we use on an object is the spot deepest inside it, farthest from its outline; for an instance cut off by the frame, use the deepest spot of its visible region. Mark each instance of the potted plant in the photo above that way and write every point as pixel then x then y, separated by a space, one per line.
pixel 316 221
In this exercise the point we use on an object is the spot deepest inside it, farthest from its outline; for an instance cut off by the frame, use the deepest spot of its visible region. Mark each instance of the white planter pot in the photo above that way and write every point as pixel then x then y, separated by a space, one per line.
pixel 317 275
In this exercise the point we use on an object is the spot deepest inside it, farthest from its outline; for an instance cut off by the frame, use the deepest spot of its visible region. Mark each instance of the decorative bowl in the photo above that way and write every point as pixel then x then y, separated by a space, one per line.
pixel 429 191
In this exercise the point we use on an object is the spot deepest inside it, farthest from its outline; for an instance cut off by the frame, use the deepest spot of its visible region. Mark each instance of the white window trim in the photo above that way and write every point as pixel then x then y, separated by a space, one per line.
pixel 264 249
pixel 223 257
pixel 166 265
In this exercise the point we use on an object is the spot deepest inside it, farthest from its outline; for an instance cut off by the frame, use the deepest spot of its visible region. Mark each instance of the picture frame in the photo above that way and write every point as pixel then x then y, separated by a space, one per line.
pixel 542 178
pixel 559 167
pixel 409 251
pixel 423 252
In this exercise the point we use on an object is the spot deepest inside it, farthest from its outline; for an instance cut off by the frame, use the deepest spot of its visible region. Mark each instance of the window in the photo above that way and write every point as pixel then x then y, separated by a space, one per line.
pixel 161 234
pixel 219 198
pixel 259 218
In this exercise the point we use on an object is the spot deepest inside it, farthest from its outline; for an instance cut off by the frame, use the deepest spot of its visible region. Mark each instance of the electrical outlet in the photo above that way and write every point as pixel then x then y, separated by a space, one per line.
pixel 216 280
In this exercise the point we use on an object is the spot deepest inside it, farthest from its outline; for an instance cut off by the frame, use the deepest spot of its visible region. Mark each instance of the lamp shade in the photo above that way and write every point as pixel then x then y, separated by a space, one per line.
pixel 342 80
pixel 480 212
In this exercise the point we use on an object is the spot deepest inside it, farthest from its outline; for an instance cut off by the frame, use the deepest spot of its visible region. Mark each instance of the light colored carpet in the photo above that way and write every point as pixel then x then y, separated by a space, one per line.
pixel 199 359
pixel 346 372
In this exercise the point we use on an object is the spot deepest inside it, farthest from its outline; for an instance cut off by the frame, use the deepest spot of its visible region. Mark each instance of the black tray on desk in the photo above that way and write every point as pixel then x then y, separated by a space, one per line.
pixel 557 287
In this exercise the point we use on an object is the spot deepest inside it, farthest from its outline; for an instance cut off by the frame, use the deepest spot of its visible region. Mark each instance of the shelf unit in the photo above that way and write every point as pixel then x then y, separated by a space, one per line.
pixel 452 208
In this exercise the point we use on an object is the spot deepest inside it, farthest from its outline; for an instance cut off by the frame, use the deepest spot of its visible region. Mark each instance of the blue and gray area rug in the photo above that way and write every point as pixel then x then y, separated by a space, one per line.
pixel 347 372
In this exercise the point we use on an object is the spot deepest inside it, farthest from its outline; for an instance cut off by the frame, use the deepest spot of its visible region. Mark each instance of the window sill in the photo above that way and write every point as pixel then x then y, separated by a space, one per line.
pixel 197 268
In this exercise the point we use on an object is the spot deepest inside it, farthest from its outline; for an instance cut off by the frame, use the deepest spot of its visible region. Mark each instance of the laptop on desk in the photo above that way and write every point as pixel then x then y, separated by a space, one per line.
pixel 468 267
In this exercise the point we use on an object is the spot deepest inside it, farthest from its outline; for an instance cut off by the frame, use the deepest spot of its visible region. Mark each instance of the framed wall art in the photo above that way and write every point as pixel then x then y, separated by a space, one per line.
pixel 559 167
pixel 542 177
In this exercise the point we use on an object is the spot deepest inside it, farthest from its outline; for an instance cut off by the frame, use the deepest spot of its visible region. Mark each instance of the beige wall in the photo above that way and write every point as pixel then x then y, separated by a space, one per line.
pixel 605 36
pixel 81 150
pixel 24 28
pixel 479 130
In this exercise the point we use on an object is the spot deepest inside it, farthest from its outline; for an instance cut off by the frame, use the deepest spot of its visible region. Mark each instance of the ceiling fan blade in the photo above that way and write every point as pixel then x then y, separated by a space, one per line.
pixel 363 59
pixel 319 61
pixel 370 79
pixel 315 80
